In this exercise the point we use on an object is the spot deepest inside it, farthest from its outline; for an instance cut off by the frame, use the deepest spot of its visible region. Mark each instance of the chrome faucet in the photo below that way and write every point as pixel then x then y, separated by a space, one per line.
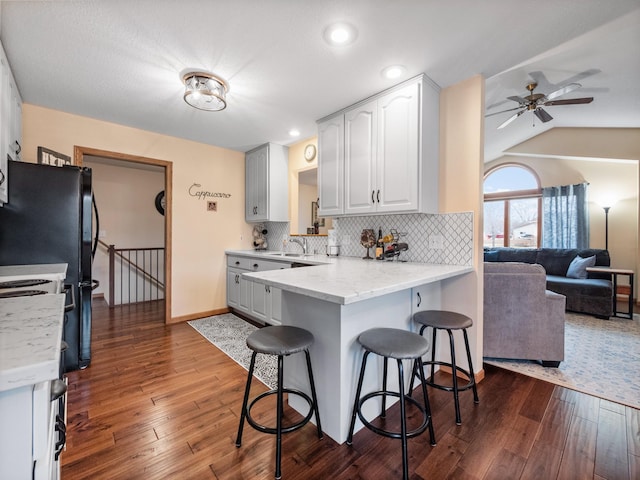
pixel 302 242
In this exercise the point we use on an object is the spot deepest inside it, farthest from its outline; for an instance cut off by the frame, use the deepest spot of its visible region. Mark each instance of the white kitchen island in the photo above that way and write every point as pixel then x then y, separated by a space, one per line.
pixel 338 301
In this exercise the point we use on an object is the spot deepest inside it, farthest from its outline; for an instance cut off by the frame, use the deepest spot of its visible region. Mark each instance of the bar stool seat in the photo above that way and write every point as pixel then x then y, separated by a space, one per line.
pixel 282 341
pixel 449 321
pixel 399 345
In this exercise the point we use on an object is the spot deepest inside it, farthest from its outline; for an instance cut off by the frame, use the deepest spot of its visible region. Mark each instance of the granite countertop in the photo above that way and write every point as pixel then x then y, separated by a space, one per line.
pixel 47 270
pixel 30 337
pixel 346 280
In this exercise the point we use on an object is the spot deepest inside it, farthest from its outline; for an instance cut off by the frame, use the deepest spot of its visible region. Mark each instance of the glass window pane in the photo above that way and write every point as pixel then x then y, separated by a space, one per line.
pixel 507 179
pixel 523 223
pixel 494 224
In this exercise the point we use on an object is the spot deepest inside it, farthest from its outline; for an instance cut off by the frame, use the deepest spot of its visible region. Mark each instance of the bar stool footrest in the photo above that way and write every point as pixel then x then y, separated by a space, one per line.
pixel 285 429
pixel 470 382
pixel 387 433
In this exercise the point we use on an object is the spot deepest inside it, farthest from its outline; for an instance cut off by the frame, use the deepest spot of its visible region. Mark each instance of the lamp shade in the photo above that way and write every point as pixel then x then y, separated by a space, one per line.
pixel 205 91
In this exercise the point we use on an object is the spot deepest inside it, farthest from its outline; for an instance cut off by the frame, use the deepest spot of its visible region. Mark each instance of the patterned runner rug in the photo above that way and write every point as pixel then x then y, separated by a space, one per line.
pixel 229 333
pixel 602 358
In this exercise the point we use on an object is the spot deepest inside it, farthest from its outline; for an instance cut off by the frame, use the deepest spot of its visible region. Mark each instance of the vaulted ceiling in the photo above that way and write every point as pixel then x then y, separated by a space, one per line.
pixel 120 61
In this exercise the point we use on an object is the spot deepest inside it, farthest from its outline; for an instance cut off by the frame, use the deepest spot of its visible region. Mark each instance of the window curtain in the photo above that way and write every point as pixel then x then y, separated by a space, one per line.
pixel 565 218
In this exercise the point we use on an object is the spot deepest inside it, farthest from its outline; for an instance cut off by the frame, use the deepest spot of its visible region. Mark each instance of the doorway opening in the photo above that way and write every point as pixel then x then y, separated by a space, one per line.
pixel 124 159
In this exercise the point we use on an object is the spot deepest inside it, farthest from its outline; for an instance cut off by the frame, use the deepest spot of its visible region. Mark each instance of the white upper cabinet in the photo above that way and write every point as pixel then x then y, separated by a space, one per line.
pixel 390 151
pixel 267 184
pixel 331 166
pixel 10 123
pixel 360 179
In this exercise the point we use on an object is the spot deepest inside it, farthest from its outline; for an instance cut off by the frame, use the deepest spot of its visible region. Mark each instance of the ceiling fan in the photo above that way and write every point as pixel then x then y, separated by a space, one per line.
pixel 535 101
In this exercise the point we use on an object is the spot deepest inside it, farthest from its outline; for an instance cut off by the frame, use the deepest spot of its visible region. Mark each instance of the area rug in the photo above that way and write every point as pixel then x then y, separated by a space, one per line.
pixel 229 334
pixel 602 358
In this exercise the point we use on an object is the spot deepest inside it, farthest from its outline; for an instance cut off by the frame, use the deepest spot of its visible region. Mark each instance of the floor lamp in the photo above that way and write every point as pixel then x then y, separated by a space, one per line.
pixel 606 227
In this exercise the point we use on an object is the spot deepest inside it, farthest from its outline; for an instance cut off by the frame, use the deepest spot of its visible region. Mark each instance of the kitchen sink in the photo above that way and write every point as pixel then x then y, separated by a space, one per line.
pixel 287 254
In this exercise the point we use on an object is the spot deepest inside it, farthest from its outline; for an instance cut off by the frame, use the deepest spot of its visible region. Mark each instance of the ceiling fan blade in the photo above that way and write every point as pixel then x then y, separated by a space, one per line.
pixel 542 115
pixel 569 101
pixel 511 119
pixel 518 99
pixel 502 111
pixel 563 91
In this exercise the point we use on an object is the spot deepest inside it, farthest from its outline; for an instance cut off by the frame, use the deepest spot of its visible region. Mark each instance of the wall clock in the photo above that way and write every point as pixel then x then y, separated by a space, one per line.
pixel 160 202
pixel 309 152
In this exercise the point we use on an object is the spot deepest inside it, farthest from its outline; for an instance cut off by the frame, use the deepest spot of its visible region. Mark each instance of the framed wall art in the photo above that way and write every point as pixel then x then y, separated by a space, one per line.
pixel 49 157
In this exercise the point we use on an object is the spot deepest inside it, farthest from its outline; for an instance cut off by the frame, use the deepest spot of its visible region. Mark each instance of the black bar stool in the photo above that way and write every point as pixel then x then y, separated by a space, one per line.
pixel 281 341
pixel 399 345
pixel 449 321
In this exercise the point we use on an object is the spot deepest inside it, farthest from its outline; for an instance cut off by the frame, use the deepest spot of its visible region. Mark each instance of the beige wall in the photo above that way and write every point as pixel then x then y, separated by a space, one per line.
pixel 199 237
pixel 461 163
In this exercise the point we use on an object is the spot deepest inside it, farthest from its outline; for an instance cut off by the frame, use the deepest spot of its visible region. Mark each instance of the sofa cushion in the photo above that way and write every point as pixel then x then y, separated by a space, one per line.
pixel 555 260
pixel 578 266
pixel 491 256
pixel 523 255
pixel 576 286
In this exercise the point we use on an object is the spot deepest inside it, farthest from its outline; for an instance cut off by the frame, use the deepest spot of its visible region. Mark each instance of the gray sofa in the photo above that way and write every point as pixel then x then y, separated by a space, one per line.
pixel 592 295
pixel 522 319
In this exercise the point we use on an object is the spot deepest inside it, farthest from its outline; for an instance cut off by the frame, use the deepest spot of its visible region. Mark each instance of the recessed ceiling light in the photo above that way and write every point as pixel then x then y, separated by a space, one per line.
pixel 294 133
pixel 340 34
pixel 393 71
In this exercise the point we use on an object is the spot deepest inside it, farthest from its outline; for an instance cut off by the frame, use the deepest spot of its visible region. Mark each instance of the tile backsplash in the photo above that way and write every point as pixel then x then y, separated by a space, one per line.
pixel 453 232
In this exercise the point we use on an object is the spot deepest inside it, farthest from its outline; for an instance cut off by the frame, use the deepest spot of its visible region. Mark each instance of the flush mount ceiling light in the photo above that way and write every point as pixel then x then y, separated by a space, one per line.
pixel 205 91
pixel 340 34
pixel 393 71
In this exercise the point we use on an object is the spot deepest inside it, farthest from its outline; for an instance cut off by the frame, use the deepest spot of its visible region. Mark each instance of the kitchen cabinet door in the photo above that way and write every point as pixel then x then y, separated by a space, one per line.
pixel 275 318
pixel 331 166
pixel 244 304
pixel 260 301
pixel 398 150
pixel 267 184
pixel 360 126
pixel 233 287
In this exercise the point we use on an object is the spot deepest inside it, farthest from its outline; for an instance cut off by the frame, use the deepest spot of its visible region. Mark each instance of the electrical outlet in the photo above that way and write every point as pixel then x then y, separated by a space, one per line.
pixel 346 239
pixel 436 242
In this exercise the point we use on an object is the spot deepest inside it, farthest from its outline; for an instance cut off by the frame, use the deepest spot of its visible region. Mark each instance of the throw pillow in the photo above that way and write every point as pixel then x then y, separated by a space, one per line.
pixel 578 266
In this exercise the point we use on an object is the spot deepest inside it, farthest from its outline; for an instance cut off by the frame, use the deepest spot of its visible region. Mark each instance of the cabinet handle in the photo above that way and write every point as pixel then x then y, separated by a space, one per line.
pixel 378 196
pixel 267 288
pixel 238 263
pixel 373 200
pixel 18 148
pixel 419 298
pixel 237 278
pixel 2 178
pixel 255 265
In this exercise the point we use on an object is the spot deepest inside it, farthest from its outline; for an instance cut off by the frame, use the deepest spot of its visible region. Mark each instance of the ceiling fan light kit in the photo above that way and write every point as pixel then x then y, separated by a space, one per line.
pixel 205 91
pixel 535 101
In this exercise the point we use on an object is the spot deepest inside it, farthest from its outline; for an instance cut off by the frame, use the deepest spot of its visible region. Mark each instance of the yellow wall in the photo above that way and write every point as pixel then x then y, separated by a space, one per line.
pixel 461 167
pixel 199 237
pixel 297 163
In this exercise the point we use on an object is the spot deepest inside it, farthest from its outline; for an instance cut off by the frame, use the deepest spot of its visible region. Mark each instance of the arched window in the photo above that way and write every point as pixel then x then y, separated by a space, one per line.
pixel 512 203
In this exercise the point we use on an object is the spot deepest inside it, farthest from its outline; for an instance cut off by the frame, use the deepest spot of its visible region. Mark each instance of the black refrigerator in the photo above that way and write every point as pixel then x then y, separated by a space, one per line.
pixel 48 219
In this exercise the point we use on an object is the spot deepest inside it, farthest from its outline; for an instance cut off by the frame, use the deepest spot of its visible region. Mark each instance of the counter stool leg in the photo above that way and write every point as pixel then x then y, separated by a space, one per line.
pixel 418 365
pixel 472 377
pixel 243 413
pixel 355 403
pixel 403 422
pixel 433 351
pixel 454 372
pixel 313 393
pixel 383 412
pixel 279 408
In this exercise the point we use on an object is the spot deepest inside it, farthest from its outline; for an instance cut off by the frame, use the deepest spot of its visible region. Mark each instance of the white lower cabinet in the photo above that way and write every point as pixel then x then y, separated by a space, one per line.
pixel 28 439
pixel 253 299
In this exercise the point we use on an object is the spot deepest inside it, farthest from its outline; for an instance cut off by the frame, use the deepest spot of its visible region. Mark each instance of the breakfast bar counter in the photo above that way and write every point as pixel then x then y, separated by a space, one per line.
pixel 336 300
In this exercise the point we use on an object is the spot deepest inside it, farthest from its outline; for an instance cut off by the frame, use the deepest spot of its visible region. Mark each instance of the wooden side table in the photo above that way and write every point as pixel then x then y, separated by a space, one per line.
pixel 615 272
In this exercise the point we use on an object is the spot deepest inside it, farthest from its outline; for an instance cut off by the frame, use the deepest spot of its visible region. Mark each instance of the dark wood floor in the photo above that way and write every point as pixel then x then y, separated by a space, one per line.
pixel 161 402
